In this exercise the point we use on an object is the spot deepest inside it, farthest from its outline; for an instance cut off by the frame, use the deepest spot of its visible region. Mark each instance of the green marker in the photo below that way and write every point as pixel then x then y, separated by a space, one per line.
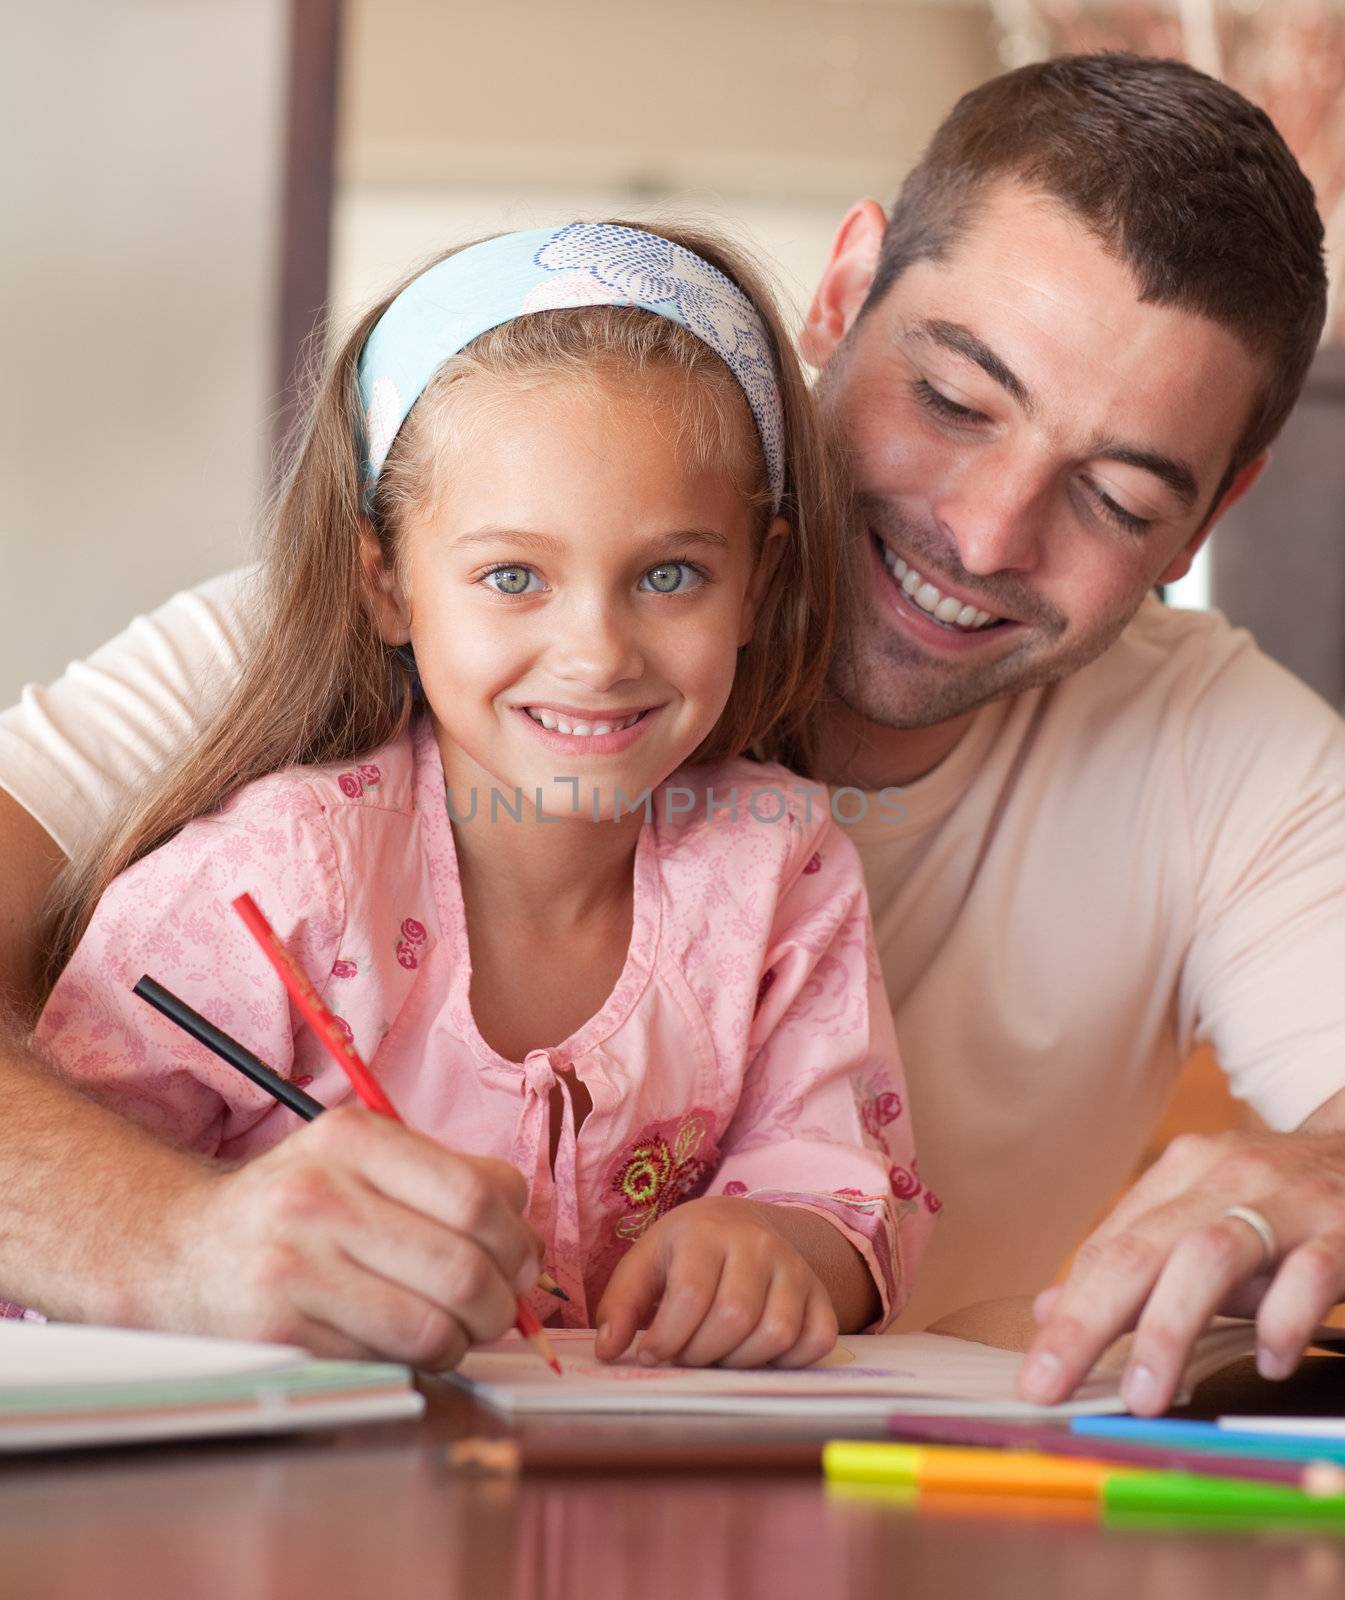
pixel 1188 1494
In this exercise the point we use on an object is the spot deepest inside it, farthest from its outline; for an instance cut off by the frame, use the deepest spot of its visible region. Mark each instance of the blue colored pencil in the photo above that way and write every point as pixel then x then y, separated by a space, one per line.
pixel 1208 1438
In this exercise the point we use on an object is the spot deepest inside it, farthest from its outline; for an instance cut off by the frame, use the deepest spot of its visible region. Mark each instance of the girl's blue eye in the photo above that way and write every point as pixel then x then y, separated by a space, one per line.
pixel 512 580
pixel 671 577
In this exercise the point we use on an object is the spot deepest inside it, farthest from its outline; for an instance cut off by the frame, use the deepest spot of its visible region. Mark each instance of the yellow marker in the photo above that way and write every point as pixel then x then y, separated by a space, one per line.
pixel 964 1470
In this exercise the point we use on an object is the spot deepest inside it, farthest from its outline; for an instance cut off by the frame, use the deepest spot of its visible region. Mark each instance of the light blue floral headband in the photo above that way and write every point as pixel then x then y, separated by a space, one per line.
pixel 556 269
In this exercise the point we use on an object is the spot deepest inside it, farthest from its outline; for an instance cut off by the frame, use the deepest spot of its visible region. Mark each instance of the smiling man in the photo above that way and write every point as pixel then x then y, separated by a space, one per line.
pixel 1057 362
pixel 1059 359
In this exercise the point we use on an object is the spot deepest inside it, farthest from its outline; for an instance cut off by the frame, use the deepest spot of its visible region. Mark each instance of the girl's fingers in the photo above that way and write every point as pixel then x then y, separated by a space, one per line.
pixel 733 1312
pixel 780 1324
pixel 694 1277
pixel 819 1333
pixel 628 1302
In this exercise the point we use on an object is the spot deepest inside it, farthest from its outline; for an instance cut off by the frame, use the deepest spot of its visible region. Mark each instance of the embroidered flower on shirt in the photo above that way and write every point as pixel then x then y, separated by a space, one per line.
pixel 735 1186
pixel 814 862
pixel 905 1184
pixel 879 1110
pixel 349 784
pixel 406 955
pixel 932 1203
pixel 344 1028
pixel 879 1106
pixel 344 968
pixel 369 774
pixel 669 1163
pixel 413 930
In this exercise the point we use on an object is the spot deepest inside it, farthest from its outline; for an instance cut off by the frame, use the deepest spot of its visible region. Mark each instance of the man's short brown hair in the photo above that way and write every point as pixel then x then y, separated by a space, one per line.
pixel 1185 179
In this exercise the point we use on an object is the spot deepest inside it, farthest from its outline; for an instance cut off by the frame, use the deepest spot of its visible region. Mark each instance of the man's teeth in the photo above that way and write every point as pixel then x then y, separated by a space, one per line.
pixel 939 605
pixel 581 730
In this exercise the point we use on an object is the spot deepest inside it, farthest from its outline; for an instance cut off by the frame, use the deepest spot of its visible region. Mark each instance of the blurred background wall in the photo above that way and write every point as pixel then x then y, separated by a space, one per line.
pixel 139 173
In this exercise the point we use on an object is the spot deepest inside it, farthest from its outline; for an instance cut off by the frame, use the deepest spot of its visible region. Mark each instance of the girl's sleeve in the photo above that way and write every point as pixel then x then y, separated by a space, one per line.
pixel 170 916
pixel 823 1122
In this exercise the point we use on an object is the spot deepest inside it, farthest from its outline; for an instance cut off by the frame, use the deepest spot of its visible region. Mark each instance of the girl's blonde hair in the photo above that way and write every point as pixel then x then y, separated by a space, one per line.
pixel 321 685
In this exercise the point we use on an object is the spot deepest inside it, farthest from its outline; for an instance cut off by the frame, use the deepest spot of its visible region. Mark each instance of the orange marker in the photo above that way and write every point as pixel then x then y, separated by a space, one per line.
pixel 344 1053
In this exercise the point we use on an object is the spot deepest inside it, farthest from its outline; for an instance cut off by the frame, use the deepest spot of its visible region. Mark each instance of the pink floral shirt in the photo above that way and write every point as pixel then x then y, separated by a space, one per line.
pixel 747 1048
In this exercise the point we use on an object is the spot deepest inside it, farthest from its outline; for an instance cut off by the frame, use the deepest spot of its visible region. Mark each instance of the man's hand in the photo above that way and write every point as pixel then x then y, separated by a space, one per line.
pixel 1167 1259
pixel 353 1237
pixel 729 1288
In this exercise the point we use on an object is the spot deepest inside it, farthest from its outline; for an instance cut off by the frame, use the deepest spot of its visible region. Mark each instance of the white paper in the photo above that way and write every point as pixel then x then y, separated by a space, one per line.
pixel 1301 1427
pixel 43 1354
pixel 867 1375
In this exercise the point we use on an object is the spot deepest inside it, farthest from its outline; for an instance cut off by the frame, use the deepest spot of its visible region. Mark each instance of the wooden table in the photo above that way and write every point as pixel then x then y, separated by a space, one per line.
pixel 376 1512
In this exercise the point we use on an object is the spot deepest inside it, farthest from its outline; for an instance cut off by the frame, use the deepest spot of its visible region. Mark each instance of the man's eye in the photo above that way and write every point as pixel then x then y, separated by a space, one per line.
pixel 509 580
pixel 942 406
pixel 672 577
pixel 1117 515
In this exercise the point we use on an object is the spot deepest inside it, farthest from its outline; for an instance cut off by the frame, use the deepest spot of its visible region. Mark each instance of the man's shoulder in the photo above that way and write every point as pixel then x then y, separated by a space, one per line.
pixel 1168 658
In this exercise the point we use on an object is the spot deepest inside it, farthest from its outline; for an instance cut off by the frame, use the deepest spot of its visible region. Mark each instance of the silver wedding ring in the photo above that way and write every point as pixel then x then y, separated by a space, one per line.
pixel 1259 1226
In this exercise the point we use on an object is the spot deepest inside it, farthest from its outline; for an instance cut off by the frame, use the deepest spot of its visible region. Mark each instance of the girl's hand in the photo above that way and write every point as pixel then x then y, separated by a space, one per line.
pixel 728 1288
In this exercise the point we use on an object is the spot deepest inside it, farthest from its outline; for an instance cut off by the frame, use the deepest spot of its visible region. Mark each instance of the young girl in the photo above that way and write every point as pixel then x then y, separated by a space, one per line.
pixel 559 546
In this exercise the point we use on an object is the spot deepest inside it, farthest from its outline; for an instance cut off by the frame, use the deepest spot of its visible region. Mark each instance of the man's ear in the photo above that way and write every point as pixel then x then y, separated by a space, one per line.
pixel 845 282
pixel 1246 477
pixel 384 592
pixel 772 548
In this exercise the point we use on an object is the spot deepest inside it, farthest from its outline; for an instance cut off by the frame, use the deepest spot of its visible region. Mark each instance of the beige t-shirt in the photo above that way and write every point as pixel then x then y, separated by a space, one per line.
pixel 1103 873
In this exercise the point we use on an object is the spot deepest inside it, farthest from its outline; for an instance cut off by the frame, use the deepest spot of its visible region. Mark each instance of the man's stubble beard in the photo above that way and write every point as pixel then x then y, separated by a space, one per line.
pixel 884 677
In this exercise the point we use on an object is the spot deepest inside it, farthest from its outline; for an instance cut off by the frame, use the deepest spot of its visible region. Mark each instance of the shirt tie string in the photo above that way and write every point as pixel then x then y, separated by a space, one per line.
pixel 554 1205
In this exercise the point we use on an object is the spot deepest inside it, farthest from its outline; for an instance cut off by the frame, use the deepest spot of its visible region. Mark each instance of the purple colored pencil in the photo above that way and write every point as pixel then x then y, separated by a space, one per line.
pixel 1053 1441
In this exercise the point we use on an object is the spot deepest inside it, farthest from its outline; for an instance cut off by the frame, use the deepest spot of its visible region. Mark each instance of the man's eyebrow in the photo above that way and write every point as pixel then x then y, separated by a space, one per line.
pixel 963 342
pixel 1176 474
pixel 548 543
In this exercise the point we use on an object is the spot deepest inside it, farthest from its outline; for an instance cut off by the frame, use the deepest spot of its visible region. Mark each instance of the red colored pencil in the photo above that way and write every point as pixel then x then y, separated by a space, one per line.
pixel 344 1053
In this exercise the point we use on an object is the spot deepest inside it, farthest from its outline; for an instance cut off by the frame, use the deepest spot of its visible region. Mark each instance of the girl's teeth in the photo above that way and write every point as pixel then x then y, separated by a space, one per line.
pixel 580 730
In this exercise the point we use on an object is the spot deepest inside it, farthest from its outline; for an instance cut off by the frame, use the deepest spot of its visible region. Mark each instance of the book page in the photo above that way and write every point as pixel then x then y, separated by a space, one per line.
pixel 866 1375
pixel 54 1353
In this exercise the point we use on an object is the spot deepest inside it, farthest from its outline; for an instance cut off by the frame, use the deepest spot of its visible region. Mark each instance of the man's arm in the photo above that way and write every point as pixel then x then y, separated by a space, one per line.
pixel 1263 766
pixel 353 1237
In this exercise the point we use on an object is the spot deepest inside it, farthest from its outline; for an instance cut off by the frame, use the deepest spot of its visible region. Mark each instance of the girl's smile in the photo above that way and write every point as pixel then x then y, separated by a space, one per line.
pixel 578 591
pixel 571 731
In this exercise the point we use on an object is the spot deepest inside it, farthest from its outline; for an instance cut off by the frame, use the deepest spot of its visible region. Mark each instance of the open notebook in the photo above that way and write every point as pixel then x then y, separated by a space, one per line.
pixel 866 1376
pixel 64 1385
